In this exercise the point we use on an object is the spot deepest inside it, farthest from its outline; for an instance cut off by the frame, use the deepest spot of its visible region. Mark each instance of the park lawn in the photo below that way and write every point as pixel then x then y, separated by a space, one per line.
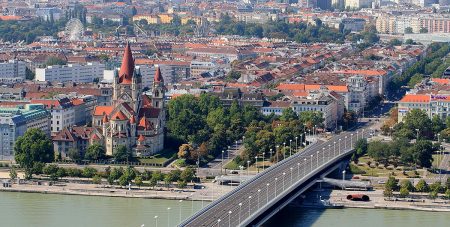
pixel 232 165
pixel 382 171
pixel 158 158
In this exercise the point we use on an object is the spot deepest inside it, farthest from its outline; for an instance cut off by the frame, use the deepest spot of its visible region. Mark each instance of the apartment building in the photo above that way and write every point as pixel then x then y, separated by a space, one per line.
pixel 14 121
pixel 62 112
pixel 12 72
pixel 71 73
pixel 415 23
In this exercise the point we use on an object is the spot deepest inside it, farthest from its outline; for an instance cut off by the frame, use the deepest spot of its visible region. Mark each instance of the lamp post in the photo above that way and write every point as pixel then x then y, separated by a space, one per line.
pixel 284 174
pixel 267 192
pixel 343 178
pixel 329 149
pixel 156 221
pixel 351 141
pixel 291 174
pixel 323 154
pixel 296 144
pixel 301 139
pixel 256 164
pixel 249 205
pixel 240 174
pixel 284 150
pixel 270 154
pixel 298 169
pixel 218 222
pixel 290 148
pixel 304 169
pixel 229 218
pixel 334 148
pixel 317 162
pixel 168 216
pixel 259 192
pixel 311 163
pixel 345 143
pixel 339 146
pixel 417 134
pixel 228 153
pixel 248 166
pixel 221 165
pixel 263 156
pixel 240 207
pixel 276 189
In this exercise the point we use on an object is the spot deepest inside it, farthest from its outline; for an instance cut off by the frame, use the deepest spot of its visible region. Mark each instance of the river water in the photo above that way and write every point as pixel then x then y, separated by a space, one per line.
pixel 50 210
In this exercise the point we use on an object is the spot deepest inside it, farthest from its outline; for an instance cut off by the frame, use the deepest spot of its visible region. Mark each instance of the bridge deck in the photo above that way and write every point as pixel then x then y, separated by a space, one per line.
pixel 249 200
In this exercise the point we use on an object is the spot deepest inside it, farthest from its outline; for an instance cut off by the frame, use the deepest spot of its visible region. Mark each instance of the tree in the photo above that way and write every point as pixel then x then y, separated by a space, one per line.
pixel 417 78
pixel 29 75
pixel 388 193
pixel 97 179
pixel 422 186
pixel 361 147
pixel 395 42
pixel 138 181
pixel 116 173
pixel 88 172
pixel 404 192
pixel 312 119
pixel 95 152
pixel 418 119
pixel 288 115
pixel 181 184
pixel 187 175
pixel 447 194
pixel 122 154
pixel 233 76
pixel 433 195
pixel 74 154
pixel 33 147
pixel 185 151
pixel 407 184
pixel 12 173
pixel 54 61
pixel 391 183
pixel 51 171
pixel 436 186
pixel 423 30
pixel 408 30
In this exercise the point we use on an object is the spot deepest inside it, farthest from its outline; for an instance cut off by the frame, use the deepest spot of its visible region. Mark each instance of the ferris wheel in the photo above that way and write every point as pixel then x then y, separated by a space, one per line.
pixel 74 30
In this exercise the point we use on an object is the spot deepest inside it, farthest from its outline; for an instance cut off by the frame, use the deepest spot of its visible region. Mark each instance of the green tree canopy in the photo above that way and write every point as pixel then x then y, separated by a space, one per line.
pixel 122 154
pixel 33 147
pixel 95 152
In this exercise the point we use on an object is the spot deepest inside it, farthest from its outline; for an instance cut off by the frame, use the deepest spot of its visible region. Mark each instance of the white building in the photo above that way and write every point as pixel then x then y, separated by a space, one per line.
pixel 358 4
pixel 71 72
pixel 62 112
pixel 12 72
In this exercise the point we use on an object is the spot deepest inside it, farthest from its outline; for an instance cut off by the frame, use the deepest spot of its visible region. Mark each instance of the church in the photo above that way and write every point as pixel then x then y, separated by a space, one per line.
pixel 133 119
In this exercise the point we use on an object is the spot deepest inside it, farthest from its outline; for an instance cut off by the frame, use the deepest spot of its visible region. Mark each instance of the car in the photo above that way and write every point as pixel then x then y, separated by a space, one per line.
pixel 381 182
pixel 234 172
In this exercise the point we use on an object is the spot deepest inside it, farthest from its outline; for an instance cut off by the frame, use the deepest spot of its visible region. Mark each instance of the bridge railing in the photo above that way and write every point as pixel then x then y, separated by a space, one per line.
pixel 308 165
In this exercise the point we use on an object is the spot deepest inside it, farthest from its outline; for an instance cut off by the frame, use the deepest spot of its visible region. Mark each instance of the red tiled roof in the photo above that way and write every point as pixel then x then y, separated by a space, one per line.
pixel 100 110
pixel 119 116
pixel 127 67
pixel 416 98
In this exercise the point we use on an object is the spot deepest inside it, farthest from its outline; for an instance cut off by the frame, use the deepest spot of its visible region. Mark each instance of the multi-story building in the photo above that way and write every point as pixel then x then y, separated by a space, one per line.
pixel 8 93
pixel 71 73
pixel 14 121
pixel 358 4
pixel 413 23
pixel 199 67
pixel 12 72
pixel 432 105
pixel 71 138
pixel 62 112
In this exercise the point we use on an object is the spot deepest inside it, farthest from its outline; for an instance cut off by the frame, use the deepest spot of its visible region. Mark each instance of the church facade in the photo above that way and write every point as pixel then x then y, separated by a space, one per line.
pixel 134 119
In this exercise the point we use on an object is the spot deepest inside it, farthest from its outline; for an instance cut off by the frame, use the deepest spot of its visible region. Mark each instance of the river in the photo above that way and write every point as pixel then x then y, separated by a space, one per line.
pixel 50 210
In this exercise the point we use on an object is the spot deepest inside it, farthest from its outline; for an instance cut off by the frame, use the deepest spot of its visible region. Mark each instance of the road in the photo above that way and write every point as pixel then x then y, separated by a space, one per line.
pixel 236 206
pixel 214 167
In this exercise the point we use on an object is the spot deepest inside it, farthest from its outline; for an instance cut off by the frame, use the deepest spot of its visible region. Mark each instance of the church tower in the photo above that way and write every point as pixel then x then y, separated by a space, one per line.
pixel 158 89
pixel 127 83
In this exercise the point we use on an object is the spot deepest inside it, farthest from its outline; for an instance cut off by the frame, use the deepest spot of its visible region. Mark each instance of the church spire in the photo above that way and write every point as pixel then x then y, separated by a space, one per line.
pixel 127 67
pixel 158 76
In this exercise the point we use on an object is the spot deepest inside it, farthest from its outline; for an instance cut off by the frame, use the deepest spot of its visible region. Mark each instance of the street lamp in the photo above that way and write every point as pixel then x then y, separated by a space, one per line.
pixel 417 136
pixel 267 192
pixel 276 189
pixel 311 163
pixel 290 148
pixel 317 162
pixel 271 154
pixel 276 152
pixel 296 144
pixel 334 148
pixel 339 146
pixel 229 218
pixel 343 178
pixel 323 154
pixel 218 222
pixel 345 143
pixel 256 164
pixel 298 169
pixel 179 217
pixel 259 192
pixel 240 206
pixel 284 150
pixel 228 153
pixel 248 166
pixel 263 156
pixel 304 169
pixel 291 174
pixel 284 174
pixel 168 216
pixel 240 174
pixel 351 141
pixel 249 205
pixel 156 221
pixel 221 166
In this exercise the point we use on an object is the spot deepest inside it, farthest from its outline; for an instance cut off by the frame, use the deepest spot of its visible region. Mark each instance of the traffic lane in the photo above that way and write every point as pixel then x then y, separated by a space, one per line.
pixel 308 151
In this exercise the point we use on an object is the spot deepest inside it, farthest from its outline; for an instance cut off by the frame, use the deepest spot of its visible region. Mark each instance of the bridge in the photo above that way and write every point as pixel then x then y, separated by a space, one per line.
pixel 256 200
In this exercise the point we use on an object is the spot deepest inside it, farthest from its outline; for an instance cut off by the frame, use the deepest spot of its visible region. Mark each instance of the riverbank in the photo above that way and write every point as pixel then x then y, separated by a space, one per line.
pixel 210 191
pixel 378 201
